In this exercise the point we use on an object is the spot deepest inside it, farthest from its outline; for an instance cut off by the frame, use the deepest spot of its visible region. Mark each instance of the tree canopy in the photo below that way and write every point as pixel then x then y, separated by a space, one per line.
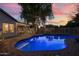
pixel 32 11
pixel 75 21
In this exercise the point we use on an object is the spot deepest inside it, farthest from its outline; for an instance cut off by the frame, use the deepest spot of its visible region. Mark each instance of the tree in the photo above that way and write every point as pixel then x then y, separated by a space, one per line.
pixel 33 11
pixel 75 21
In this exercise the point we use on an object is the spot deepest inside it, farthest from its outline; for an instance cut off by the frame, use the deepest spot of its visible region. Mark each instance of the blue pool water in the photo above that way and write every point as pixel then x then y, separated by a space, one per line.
pixel 43 42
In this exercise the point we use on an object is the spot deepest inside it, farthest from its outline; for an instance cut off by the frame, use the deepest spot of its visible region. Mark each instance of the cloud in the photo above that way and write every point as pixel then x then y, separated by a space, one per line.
pixel 55 11
pixel 63 8
pixel 59 20
pixel 63 13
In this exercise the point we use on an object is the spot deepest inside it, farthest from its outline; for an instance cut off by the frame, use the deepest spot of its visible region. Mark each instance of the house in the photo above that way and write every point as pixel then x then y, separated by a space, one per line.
pixel 9 27
pixel 7 24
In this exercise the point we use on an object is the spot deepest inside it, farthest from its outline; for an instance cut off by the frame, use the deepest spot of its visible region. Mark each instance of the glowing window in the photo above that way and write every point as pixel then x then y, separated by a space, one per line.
pixel 5 27
pixel 11 27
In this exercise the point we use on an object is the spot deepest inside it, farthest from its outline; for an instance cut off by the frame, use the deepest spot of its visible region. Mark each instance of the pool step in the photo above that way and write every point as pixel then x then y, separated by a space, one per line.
pixel 22 45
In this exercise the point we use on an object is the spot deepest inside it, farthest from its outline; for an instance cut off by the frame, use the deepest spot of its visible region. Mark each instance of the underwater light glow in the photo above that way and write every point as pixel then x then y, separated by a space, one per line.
pixel 44 42
pixel 41 43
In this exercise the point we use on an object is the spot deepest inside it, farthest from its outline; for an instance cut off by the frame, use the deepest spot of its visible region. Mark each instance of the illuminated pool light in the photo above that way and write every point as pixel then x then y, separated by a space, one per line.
pixel 43 43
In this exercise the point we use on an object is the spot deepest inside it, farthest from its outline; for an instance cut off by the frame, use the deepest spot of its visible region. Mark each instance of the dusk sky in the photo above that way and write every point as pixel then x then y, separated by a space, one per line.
pixel 12 8
pixel 59 9
pixel 63 8
pixel 63 13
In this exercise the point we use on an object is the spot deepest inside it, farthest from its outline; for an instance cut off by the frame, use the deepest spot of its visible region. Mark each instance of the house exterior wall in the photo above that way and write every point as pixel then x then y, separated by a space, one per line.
pixel 21 28
pixel 6 19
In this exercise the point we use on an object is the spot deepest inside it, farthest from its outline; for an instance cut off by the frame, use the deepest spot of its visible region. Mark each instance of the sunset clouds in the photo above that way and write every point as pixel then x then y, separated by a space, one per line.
pixel 63 8
pixel 63 13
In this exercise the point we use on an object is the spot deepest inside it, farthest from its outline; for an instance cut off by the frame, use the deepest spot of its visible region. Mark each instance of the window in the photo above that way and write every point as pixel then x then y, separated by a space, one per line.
pixel 8 27
pixel 11 28
pixel 5 27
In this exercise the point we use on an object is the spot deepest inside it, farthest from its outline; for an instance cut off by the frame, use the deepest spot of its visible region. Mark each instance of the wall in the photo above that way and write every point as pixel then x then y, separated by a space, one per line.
pixel 69 31
pixel 6 19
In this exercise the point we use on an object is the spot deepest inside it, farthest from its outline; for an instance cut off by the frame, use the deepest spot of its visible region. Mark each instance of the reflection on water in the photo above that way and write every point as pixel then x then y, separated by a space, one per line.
pixel 40 43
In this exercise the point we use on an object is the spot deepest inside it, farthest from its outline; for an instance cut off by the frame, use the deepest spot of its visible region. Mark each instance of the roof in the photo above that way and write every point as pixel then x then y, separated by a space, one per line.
pixel 8 14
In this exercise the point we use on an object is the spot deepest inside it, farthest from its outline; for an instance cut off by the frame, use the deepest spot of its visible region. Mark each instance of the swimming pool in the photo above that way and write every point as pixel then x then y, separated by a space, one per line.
pixel 43 42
